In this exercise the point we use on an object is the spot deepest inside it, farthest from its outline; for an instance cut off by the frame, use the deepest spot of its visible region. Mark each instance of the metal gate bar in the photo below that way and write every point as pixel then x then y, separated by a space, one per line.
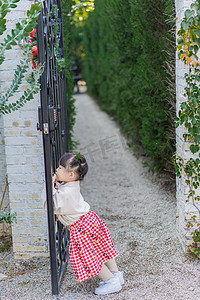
pixel 53 124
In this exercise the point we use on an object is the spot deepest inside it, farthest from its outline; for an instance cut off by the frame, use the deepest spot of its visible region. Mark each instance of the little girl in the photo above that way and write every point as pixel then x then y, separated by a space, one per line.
pixel 91 250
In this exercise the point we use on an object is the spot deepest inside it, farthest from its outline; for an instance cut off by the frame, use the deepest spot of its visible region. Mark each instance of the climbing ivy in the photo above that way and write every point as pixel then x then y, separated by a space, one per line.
pixel 8 217
pixel 189 114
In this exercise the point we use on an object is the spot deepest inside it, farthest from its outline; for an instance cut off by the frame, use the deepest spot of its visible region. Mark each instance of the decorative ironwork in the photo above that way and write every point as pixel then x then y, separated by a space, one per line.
pixel 53 124
pixel 62 246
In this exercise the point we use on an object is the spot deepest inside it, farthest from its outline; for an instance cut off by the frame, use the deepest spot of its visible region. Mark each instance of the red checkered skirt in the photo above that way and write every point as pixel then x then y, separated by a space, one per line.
pixel 90 246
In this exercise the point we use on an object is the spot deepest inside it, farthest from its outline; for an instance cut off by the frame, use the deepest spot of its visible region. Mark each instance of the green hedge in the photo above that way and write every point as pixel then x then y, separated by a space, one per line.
pixel 66 8
pixel 128 45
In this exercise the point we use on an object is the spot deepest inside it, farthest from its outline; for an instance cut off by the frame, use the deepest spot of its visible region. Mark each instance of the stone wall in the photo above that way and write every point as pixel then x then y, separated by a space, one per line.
pixel 22 154
pixel 185 209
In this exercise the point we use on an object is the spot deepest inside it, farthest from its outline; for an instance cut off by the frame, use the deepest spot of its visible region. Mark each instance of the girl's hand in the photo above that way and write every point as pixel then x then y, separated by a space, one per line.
pixel 54 178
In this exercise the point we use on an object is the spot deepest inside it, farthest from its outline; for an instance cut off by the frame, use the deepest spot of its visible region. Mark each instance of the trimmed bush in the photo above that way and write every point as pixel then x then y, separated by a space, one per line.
pixel 130 50
pixel 66 8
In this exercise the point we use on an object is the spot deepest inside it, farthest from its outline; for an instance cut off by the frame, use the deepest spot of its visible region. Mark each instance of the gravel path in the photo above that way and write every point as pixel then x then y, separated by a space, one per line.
pixel 140 211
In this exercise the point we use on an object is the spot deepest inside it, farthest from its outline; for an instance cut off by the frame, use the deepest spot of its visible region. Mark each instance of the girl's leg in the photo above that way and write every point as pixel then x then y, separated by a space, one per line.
pixel 110 283
pixel 105 273
pixel 112 266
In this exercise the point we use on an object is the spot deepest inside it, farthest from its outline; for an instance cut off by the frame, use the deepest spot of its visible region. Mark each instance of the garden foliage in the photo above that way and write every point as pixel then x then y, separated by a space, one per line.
pixel 66 9
pixel 22 30
pixel 188 115
pixel 16 35
pixel 130 50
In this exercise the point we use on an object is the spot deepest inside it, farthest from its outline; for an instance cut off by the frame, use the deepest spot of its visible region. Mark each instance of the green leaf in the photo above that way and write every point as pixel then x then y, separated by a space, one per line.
pixel 189 13
pixel 13 6
pixel 197 139
pixel 196 22
pixel 194 148
pixel 196 48
pixel 184 105
pixel 185 25
pixel 197 32
pixel 180 41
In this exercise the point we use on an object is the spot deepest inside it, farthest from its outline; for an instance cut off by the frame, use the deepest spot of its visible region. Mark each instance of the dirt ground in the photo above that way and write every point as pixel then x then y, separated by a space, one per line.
pixel 140 211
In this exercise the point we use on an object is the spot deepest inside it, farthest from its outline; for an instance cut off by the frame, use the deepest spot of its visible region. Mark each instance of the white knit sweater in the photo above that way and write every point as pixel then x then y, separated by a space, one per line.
pixel 69 204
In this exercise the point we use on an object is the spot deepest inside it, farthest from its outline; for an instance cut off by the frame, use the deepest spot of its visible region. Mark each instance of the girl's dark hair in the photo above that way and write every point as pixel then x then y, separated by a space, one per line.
pixel 76 163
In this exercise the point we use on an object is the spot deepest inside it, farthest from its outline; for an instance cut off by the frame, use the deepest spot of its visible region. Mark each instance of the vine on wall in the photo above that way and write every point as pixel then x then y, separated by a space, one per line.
pixel 189 115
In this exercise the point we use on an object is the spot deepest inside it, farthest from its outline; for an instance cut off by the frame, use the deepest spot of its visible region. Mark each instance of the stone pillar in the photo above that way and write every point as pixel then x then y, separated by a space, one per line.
pixel 3 175
pixel 185 209
pixel 22 154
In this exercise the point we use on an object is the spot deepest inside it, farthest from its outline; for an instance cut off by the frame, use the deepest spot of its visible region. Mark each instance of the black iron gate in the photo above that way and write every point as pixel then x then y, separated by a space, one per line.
pixel 53 124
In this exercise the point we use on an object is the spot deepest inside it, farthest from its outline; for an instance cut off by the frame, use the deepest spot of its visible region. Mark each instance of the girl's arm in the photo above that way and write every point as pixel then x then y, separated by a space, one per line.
pixel 43 196
pixel 59 199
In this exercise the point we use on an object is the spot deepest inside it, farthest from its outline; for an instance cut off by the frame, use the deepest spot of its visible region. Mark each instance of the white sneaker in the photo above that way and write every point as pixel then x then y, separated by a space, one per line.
pixel 109 286
pixel 120 276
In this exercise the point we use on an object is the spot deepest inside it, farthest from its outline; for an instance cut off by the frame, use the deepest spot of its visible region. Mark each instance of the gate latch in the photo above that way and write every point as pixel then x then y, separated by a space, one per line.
pixel 46 128
pixel 39 125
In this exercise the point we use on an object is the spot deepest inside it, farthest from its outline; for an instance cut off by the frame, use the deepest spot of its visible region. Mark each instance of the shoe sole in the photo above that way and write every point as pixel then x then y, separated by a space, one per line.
pixel 109 292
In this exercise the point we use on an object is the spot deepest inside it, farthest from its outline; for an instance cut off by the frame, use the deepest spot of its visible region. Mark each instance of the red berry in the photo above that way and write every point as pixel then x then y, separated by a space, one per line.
pixel 34 66
pixel 34 50
pixel 32 33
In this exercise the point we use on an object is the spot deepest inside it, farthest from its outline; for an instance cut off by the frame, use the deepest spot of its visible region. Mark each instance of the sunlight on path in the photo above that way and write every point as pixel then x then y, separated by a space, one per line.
pixel 138 209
